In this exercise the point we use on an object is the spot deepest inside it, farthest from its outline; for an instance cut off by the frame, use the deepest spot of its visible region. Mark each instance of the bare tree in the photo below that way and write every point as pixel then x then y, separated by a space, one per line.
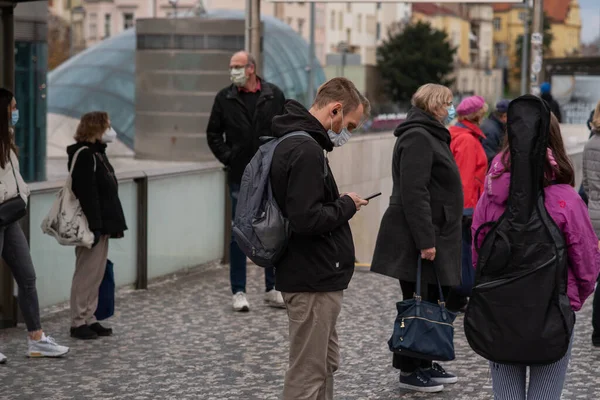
pixel 58 41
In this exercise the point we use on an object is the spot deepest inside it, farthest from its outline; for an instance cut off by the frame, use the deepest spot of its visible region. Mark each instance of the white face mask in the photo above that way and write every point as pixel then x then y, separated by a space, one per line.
pixel 238 76
pixel 339 139
pixel 109 136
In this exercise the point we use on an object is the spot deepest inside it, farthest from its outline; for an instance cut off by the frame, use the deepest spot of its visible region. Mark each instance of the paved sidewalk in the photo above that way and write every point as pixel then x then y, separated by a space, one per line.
pixel 180 340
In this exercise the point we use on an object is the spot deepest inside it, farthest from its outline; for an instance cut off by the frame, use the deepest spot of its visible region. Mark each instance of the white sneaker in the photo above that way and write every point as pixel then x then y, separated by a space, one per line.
pixel 45 347
pixel 240 303
pixel 3 359
pixel 274 299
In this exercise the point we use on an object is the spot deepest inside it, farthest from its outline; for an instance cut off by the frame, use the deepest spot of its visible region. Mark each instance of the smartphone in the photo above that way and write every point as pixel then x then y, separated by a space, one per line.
pixel 372 196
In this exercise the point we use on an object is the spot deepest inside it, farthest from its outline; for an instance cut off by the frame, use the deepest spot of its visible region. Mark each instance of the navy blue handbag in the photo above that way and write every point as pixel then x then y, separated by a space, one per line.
pixel 423 330
pixel 106 295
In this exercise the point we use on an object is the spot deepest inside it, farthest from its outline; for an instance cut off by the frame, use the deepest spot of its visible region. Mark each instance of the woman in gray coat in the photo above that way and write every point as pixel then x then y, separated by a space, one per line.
pixel 423 218
pixel 591 186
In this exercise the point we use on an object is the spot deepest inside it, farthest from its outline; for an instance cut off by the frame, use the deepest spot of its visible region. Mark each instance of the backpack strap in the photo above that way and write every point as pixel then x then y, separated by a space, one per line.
pixel 478 231
pixel 302 133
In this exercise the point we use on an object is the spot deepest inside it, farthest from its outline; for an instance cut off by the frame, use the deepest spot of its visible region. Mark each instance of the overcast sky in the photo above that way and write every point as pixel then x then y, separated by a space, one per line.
pixel 590 17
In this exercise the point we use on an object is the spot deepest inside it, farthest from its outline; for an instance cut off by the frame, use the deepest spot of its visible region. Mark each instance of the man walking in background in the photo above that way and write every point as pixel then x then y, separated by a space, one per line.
pixel 494 128
pixel 319 261
pixel 241 114
pixel 546 90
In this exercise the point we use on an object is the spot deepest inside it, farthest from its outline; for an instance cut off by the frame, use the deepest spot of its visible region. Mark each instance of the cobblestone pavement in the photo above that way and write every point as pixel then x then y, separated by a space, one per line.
pixel 180 340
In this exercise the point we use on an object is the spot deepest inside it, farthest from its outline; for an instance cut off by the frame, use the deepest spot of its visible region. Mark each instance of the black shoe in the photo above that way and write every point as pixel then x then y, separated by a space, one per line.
pixel 100 330
pixel 83 332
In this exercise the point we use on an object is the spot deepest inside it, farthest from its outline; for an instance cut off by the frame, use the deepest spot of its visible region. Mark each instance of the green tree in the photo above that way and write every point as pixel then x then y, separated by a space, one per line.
pixel 547 43
pixel 413 56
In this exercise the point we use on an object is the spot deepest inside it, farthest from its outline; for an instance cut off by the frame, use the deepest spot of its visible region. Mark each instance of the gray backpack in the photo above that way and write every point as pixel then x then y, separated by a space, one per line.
pixel 259 228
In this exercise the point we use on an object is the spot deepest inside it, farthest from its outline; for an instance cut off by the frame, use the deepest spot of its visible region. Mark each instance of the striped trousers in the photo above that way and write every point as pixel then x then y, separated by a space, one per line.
pixel 545 381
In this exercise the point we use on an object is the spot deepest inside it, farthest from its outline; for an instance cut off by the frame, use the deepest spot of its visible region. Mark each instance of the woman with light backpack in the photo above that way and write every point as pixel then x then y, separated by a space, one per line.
pixel 95 185
pixel 13 244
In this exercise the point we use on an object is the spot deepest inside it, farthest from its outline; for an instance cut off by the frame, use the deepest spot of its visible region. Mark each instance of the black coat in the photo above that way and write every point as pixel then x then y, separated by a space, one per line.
pixel 97 192
pixel 495 132
pixel 320 253
pixel 233 134
pixel 553 104
pixel 426 206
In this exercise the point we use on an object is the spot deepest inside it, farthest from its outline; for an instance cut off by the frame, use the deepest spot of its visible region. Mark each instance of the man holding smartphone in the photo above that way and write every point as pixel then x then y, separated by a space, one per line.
pixel 319 261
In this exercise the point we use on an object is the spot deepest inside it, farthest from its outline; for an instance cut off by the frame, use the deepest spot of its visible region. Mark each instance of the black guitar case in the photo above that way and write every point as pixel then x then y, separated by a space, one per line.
pixel 519 312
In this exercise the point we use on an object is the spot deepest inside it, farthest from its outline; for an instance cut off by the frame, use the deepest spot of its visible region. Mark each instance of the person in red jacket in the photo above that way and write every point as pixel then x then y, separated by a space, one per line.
pixel 468 151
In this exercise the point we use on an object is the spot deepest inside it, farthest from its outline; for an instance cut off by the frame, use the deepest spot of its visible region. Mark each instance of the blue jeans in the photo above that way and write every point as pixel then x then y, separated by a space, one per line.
pixel 237 258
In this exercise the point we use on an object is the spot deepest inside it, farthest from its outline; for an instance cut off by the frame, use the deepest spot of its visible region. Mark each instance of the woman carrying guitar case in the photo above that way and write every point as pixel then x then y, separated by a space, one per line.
pixel 536 255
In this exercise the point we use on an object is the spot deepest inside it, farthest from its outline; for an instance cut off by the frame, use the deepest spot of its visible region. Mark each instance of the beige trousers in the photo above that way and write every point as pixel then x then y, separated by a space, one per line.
pixel 314 348
pixel 90 265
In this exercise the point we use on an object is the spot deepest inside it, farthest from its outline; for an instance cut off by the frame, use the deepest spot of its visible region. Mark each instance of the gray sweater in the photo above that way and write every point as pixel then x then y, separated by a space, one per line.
pixel 591 179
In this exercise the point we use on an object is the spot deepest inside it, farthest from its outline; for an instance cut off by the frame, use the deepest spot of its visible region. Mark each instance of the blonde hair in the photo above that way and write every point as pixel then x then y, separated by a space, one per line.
pixel 476 117
pixel 91 126
pixel 596 117
pixel 431 97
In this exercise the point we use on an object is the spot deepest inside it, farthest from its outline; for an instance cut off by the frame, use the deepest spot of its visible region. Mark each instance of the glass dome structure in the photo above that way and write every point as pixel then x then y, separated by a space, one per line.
pixel 103 76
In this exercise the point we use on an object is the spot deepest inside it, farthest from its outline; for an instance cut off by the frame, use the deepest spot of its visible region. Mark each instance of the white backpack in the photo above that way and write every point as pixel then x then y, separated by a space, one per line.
pixel 66 221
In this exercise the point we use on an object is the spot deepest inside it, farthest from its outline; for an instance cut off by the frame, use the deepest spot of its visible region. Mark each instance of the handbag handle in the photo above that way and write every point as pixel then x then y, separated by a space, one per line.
pixel 417 296
pixel 14 173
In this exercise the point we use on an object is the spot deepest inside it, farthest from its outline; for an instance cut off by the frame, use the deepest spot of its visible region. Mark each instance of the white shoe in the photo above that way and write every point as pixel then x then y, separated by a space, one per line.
pixel 3 359
pixel 45 347
pixel 274 299
pixel 240 303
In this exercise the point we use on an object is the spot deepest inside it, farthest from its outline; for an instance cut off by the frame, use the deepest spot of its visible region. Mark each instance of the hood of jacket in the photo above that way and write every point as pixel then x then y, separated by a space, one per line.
pixel 296 117
pixel 466 128
pixel 96 147
pixel 497 182
pixel 417 118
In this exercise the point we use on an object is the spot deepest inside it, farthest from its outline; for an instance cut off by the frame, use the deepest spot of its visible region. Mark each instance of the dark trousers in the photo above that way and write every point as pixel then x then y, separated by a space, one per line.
pixel 237 258
pixel 15 252
pixel 429 293
pixel 596 318
pixel 457 298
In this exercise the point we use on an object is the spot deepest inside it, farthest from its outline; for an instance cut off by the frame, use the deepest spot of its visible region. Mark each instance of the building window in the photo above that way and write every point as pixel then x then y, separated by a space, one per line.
pixel 341 21
pixel 107 19
pixel 301 3
pixel 349 7
pixel 348 35
pixel 128 20
pixel 333 20
pixel 378 31
pixel 379 6
pixel 93 26
pixel 301 26
pixel 497 24
pixel 359 22
pixel 289 21
pixel 523 16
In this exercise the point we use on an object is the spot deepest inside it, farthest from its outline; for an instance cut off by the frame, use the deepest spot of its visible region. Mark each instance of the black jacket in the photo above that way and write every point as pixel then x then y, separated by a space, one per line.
pixel 98 192
pixel 494 131
pixel 554 106
pixel 242 131
pixel 320 253
pixel 426 206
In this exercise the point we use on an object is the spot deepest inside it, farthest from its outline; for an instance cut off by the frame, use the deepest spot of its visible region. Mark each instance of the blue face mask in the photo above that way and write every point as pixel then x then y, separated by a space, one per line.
pixel 15 117
pixel 451 115
pixel 339 139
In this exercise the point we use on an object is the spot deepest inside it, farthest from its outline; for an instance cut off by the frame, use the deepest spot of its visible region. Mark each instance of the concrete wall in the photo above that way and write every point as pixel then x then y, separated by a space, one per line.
pixel 364 166
pixel 176 83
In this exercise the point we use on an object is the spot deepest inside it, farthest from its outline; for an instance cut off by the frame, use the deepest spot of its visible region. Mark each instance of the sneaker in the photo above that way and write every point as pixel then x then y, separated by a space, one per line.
pixel 100 330
pixel 419 381
pixel 3 359
pixel 240 303
pixel 439 374
pixel 45 347
pixel 274 299
pixel 83 332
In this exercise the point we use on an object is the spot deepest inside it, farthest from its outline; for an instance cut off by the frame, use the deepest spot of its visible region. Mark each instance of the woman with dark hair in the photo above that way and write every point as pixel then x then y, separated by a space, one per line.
pixel 569 213
pixel 423 219
pixel 95 186
pixel 13 244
